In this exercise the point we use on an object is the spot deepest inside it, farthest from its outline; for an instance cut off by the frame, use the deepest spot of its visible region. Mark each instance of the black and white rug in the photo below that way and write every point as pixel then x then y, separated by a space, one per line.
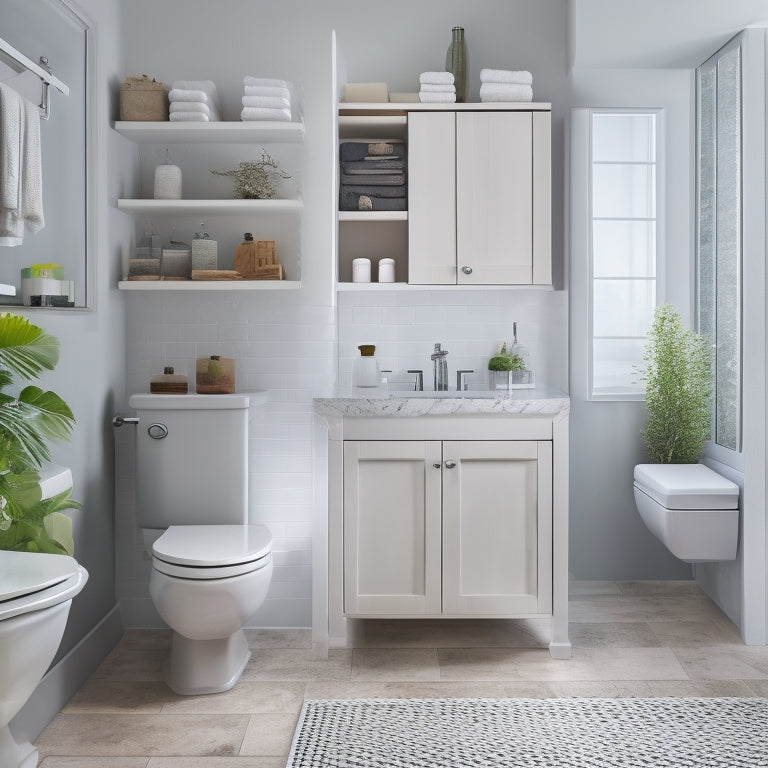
pixel 532 733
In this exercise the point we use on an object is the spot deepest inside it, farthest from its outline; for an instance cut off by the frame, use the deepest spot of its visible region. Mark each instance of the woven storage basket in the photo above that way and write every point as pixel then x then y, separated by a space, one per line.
pixel 143 98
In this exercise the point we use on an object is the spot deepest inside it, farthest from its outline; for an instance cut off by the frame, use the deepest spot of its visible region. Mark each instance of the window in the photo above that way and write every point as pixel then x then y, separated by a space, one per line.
pixel 623 248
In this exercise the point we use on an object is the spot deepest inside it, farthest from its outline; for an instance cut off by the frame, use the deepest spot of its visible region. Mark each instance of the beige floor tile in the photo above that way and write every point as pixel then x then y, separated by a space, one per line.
pixel 278 638
pixel 527 690
pixel 269 735
pixel 607 664
pixel 216 762
pixel 758 687
pixel 707 688
pixel 693 633
pixel 247 697
pixel 581 588
pixel 583 689
pixel 612 634
pixel 101 695
pixel 159 639
pixel 107 735
pixel 395 690
pixel 394 664
pixel 133 663
pixel 649 608
pixel 659 588
pixel 94 762
pixel 718 663
pixel 297 664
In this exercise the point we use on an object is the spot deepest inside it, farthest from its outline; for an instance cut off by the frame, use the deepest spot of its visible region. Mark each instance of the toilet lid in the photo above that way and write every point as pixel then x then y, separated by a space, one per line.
pixel 213 545
pixel 687 486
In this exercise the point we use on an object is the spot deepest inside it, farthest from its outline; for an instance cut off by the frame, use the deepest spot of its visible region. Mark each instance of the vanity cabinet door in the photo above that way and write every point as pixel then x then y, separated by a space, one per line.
pixel 392 527
pixel 497 527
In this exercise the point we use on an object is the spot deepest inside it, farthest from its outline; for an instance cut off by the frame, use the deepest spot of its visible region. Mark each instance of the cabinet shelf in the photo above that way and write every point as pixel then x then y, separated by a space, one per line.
pixel 373 215
pixel 209 285
pixel 246 132
pixel 208 206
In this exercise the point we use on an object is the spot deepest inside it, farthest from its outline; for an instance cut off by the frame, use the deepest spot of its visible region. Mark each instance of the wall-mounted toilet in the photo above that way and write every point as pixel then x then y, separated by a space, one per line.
pixel 210 569
pixel 36 591
pixel 690 508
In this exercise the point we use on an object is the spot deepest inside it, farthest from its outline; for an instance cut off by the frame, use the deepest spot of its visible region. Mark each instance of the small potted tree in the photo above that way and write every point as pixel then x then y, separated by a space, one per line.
pixel 678 390
pixel 28 421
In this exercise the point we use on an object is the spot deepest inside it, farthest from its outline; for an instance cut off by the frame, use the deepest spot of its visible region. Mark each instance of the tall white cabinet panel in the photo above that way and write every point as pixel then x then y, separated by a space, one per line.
pixel 494 200
pixel 432 198
pixel 392 527
pixel 497 510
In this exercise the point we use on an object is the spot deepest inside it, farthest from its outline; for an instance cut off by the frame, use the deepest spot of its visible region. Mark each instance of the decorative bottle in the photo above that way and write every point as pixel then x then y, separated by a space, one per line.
pixel 457 62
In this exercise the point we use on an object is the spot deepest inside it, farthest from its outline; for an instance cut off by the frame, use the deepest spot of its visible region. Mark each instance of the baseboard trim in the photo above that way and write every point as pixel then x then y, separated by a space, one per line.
pixel 66 676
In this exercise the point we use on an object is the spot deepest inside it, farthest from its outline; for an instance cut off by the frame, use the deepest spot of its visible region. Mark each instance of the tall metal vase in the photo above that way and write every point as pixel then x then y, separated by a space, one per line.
pixel 457 62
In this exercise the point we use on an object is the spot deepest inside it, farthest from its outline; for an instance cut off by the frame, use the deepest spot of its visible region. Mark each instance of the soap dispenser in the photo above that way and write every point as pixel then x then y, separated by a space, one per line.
pixel 365 371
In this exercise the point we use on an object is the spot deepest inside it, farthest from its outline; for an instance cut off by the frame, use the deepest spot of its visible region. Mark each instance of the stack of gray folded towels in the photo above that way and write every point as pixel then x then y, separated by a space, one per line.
pixel 373 176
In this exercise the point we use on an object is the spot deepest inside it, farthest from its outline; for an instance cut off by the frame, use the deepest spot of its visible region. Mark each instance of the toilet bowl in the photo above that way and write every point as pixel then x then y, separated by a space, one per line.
pixel 206 582
pixel 211 570
pixel 36 592
pixel 690 508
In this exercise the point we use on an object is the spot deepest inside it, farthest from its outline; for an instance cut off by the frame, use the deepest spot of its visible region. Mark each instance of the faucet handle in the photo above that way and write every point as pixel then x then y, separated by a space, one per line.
pixel 419 383
pixel 460 385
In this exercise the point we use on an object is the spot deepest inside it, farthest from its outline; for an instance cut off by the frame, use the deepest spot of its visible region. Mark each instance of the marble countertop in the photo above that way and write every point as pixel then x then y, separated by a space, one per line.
pixel 380 401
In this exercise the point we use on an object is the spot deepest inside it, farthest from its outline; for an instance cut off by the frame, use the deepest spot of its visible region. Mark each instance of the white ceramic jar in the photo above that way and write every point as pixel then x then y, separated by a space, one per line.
pixel 386 270
pixel 361 270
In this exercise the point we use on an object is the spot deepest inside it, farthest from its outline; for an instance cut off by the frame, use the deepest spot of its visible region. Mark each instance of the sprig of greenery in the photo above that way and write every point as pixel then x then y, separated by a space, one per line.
pixel 254 181
pixel 678 390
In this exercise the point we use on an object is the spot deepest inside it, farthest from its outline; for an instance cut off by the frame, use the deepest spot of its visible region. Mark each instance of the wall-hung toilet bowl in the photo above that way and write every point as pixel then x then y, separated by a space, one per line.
pixel 690 508
pixel 36 592
pixel 206 582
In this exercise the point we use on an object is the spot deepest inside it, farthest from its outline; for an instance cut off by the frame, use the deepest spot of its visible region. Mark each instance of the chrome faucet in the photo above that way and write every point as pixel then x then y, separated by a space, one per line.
pixel 440 366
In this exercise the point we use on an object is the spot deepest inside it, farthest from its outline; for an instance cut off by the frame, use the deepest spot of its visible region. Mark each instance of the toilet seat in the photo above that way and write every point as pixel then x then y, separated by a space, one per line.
pixel 686 486
pixel 212 551
pixel 32 581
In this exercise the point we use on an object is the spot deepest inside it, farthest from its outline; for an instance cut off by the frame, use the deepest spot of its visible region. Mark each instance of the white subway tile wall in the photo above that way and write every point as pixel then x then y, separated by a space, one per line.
pixel 290 349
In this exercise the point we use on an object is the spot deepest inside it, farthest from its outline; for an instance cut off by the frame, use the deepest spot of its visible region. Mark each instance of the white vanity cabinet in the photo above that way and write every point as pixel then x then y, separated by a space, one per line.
pixel 479 198
pixel 451 528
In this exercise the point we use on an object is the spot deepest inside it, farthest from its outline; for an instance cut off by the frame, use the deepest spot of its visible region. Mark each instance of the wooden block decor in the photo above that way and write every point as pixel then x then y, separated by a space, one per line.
pixel 259 262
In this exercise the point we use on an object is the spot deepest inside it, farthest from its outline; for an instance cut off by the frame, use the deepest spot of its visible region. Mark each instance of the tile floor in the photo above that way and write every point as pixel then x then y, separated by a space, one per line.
pixel 629 639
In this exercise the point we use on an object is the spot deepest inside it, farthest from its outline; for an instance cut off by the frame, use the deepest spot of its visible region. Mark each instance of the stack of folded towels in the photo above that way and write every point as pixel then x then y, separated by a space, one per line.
pixel 505 85
pixel 372 176
pixel 194 100
pixel 266 98
pixel 437 87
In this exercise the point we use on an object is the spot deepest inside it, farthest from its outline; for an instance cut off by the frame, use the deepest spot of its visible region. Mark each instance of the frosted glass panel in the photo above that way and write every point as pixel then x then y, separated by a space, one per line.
pixel 624 248
pixel 623 307
pixel 623 138
pixel 616 366
pixel 623 191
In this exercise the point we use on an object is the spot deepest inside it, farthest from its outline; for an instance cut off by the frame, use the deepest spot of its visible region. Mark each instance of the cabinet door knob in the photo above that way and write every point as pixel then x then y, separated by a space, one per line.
pixel 467 270
pixel 450 464
pixel 437 465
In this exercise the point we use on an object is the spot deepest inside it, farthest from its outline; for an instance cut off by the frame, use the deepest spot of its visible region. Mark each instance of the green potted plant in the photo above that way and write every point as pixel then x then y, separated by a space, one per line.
pixel 500 366
pixel 678 390
pixel 28 421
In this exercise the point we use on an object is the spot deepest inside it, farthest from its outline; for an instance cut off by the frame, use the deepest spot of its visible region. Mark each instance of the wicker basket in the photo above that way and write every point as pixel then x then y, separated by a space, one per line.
pixel 144 99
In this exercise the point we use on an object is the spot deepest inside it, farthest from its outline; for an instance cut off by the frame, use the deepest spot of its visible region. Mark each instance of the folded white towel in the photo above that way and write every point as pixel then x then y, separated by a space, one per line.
pixel 194 85
pixel 271 102
pixel 190 106
pixel 190 117
pixel 177 94
pixel 436 78
pixel 21 190
pixel 267 90
pixel 264 113
pixel 436 98
pixel 431 88
pixel 269 82
pixel 521 76
pixel 505 92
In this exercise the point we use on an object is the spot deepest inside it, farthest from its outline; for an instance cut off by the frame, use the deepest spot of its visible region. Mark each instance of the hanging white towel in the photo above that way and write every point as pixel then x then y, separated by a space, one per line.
pixel 505 92
pixel 267 90
pixel 21 192
pixel 269 82
pixel 436 78
pixel 271 102
pixel 521 76
pixel 264 113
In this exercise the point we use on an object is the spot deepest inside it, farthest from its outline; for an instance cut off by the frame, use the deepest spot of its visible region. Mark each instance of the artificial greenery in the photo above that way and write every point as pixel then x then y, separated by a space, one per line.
pixel 28 421
pixel 506 361
pixel 678 390
pixel 255 181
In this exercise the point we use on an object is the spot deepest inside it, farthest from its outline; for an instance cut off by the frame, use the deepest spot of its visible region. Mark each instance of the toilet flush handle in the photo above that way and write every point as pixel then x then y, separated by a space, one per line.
pixel 118 420
pixel 157 431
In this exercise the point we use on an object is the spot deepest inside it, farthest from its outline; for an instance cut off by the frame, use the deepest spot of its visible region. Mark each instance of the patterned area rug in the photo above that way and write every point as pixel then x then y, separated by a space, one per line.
pixel 532 733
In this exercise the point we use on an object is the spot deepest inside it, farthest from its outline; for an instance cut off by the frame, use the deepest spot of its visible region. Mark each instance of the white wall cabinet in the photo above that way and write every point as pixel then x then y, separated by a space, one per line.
pixel 479 198
pixel 452 528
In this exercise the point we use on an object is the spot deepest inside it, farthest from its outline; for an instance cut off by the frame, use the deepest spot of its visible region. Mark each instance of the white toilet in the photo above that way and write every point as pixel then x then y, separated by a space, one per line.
pixel 210 569
pixel 36 591
pixel 690 508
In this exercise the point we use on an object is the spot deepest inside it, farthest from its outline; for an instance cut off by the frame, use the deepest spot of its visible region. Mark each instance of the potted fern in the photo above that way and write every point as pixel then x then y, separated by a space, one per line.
pixel 678 390
pixel 28 421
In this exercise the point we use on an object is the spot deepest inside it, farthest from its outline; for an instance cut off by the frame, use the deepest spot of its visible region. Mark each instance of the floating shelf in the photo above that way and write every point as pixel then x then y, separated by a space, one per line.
pixel 209 285
pixel 246 132
pixel 182 207
pixel 373 215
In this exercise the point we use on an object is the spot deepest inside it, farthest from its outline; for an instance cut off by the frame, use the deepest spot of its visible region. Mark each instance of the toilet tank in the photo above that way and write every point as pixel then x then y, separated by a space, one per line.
pixel 191 459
